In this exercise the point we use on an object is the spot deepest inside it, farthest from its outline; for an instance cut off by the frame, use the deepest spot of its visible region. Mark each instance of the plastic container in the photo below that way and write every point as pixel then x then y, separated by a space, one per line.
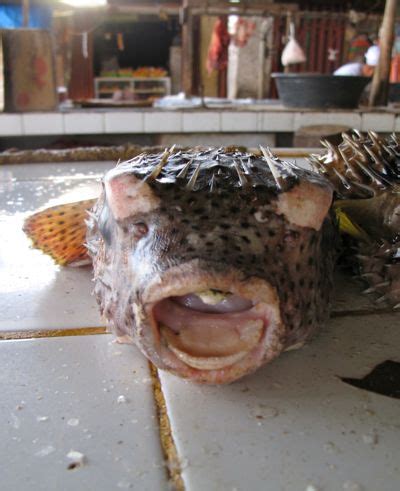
pixel 313 90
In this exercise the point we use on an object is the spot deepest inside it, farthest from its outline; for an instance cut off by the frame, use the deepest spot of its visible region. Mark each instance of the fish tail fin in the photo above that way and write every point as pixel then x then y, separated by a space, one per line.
pixel 60 232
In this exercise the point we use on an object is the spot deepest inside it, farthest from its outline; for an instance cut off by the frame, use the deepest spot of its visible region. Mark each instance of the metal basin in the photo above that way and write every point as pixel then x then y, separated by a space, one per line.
pixel 319 91
pixel 394 92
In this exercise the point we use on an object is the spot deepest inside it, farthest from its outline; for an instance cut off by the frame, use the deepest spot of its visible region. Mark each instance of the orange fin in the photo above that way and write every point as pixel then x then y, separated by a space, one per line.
pixel 60 231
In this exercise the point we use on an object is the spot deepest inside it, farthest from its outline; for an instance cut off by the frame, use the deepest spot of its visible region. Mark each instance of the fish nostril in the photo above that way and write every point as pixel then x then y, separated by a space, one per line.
pixel 140 229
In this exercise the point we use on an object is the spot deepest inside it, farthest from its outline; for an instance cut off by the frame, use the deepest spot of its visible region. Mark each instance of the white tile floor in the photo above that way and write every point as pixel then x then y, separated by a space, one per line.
pixel 292 426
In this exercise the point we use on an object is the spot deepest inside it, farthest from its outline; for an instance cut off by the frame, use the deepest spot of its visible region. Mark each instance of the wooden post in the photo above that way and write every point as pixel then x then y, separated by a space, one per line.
pixel 380 80
pixel 25 13
pixel 187 48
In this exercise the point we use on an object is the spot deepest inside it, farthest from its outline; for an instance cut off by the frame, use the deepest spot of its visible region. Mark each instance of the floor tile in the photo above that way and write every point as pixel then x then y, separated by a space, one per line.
pixel 83 394
pixel 35 293
pixel 49 171
pixel 348 296
pixel 294 425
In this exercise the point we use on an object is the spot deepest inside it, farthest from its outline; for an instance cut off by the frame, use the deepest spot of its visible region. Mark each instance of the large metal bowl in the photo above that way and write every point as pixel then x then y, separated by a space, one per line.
pixel 313 90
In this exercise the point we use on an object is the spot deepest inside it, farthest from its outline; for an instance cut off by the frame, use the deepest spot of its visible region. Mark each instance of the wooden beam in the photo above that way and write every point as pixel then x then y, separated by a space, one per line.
pixel 380 81
pixel 243 10
pixel 25 13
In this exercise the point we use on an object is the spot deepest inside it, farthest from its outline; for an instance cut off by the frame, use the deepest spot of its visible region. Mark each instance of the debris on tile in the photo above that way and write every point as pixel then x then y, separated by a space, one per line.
pixel 124 485
pixel 122 399
pixel 43 452
pixel 15 422
pixel 262 411
pixel 311 487
pixel 78 459
pixel 370 438
pixel 41 419
pixel 330 447
pixel 73 422
pixel 352 486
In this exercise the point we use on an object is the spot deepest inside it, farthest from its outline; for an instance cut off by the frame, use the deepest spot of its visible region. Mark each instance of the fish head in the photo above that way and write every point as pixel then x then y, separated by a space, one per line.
pixel 213 262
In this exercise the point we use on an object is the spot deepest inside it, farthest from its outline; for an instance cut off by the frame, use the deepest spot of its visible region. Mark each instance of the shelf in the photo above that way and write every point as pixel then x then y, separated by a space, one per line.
pixel 136 85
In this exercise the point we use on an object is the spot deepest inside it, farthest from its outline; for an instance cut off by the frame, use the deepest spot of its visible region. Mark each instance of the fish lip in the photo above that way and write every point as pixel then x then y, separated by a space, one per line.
pixel 174 282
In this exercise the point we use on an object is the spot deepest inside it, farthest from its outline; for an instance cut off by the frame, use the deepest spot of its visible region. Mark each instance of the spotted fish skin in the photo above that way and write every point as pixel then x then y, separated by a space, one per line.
pixel 172 224
pixel 365 172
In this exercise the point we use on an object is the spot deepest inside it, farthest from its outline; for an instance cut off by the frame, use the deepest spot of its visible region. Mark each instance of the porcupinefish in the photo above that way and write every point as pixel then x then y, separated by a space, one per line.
pixel 213 262
pixel 365 173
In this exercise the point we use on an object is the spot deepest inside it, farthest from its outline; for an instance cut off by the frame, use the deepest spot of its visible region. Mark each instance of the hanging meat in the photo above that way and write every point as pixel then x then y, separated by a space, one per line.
pixel 217 57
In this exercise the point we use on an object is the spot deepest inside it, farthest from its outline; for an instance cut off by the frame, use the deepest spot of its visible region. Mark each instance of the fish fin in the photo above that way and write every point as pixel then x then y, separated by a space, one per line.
pixel 349 227
pixel 60 231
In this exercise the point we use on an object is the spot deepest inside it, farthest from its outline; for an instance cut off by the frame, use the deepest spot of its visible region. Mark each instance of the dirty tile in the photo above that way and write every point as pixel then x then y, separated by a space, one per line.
pixel 81 394
pixel 294 425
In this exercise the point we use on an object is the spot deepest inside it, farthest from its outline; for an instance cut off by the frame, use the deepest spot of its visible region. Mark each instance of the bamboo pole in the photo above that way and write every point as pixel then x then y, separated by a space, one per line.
pixel 380 81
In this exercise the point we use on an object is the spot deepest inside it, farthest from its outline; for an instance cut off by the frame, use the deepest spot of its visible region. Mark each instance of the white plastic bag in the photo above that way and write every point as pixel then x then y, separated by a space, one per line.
pixel 292 52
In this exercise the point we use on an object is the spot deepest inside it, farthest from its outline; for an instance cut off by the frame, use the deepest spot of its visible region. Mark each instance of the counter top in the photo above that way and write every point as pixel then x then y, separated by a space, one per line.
pixel 241 119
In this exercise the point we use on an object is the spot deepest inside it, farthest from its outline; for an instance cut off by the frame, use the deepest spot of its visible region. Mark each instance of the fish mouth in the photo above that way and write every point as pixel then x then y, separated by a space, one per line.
pixel 214 334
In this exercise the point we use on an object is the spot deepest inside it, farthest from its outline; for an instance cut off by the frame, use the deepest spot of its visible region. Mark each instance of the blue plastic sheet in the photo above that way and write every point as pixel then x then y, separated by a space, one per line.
pixel 11 16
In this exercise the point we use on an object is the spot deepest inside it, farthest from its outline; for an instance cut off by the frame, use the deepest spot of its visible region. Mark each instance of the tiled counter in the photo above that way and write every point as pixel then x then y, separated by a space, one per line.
pixel 79 411
pixel 258 119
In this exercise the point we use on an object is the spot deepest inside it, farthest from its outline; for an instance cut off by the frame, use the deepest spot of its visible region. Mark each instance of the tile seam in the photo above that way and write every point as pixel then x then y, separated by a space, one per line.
pixel 51 333
pixel 173 467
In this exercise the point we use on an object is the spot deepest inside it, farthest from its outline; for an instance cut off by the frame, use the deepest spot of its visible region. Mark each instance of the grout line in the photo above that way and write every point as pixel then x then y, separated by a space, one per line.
pixel 168 446
pixel 51 333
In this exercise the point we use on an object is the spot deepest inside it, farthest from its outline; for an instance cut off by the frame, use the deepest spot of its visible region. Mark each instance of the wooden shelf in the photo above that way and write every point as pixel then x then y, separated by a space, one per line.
pixel 142 86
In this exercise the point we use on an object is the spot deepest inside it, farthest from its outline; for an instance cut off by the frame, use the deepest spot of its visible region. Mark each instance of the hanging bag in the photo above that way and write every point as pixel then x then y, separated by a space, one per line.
pixel 292 52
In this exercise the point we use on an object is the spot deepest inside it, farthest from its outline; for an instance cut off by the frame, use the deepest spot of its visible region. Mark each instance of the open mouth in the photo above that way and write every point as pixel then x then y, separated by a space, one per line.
pixel 211 329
